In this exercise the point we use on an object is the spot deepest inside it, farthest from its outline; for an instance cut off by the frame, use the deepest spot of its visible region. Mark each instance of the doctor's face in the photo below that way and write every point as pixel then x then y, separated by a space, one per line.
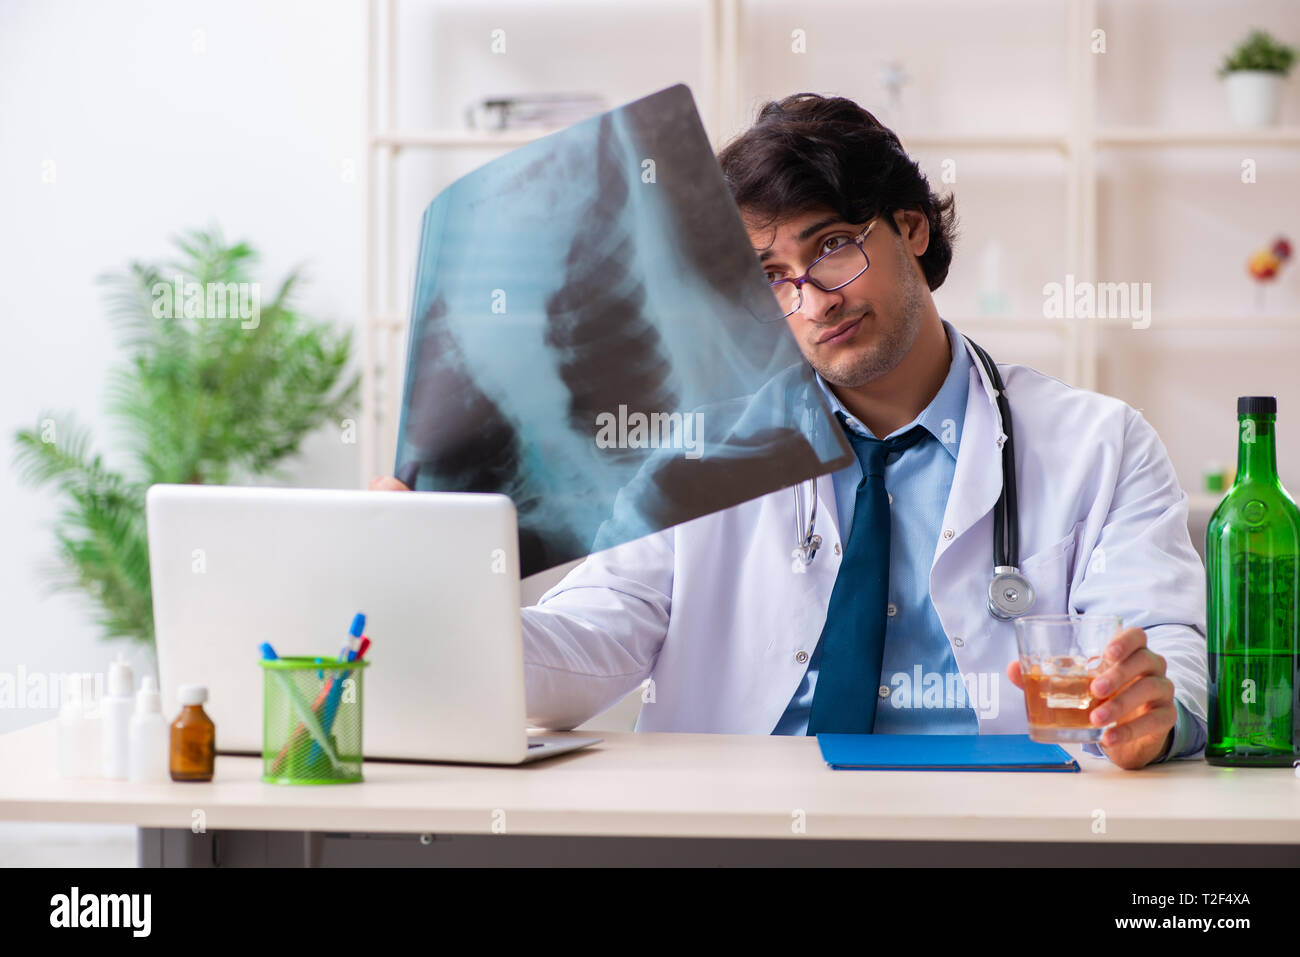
pixel 861 331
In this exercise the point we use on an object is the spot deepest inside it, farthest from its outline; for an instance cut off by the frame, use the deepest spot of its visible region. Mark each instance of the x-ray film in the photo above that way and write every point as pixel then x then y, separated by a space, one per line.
pixel 592 335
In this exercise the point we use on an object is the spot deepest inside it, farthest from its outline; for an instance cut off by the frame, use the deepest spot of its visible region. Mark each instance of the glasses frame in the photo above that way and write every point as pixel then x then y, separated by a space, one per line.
pixel 798 281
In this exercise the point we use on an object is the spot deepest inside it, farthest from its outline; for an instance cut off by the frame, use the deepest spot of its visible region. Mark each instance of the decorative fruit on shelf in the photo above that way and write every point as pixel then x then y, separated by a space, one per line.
pixel 1265 262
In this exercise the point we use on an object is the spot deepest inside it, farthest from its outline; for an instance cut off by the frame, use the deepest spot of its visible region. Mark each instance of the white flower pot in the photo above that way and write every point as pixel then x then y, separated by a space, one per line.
pixel 1254 97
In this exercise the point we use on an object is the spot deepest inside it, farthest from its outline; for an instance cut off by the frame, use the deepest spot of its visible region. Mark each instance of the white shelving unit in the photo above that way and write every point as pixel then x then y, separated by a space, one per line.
pixel 720 99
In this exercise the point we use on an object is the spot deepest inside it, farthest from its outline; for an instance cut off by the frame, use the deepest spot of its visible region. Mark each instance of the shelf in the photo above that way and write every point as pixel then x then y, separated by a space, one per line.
pixel 1207 323
pixel 490 139
pixel 398 323
pixel 1220 323
pixel 1007 322
pixel 458 139
pixel 1152 136
pixel 1106 136
pixel 984 141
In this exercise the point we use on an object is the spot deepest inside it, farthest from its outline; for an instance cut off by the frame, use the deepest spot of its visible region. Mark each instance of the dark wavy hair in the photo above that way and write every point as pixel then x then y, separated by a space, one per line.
pixel 809 150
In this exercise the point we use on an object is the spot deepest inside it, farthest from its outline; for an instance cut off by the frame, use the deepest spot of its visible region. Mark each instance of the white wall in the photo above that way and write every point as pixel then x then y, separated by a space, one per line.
pixel 150 137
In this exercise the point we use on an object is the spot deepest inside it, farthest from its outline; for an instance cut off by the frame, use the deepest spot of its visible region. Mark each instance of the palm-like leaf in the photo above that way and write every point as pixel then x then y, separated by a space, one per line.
pixel 199 400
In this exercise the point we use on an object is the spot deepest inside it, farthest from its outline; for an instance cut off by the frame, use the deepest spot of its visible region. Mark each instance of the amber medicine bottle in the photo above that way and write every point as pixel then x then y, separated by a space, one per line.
pixel 193 737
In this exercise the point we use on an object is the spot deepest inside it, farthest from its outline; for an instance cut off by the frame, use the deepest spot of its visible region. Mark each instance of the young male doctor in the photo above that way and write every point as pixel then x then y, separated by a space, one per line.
pixel 737 639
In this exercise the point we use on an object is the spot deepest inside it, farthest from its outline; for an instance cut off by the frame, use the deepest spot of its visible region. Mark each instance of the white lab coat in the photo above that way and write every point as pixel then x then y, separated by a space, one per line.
pixel 712 611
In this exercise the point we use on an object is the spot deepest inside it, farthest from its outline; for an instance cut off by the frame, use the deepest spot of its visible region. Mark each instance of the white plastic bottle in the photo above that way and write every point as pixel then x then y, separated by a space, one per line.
pixel 150 739
pixel 79 733
pixel 116 710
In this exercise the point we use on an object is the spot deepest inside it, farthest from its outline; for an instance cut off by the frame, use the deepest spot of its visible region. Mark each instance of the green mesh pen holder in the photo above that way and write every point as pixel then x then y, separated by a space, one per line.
pixel 300 742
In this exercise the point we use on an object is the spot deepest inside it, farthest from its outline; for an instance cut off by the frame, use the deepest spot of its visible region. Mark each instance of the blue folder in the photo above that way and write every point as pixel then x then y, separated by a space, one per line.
pixel 942 752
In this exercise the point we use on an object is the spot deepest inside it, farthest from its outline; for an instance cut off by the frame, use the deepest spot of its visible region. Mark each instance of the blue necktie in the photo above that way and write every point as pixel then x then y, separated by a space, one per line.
pixel 853 638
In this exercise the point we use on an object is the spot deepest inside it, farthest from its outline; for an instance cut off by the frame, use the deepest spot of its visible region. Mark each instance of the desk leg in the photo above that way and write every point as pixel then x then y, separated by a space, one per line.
pixel 173 847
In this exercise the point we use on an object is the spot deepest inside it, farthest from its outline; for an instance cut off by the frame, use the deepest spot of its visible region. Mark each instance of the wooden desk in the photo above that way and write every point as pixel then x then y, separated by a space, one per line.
pixel 681 799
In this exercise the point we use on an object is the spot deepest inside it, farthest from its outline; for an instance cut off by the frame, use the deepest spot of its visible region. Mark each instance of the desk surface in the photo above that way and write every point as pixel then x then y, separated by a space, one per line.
pixel 688 785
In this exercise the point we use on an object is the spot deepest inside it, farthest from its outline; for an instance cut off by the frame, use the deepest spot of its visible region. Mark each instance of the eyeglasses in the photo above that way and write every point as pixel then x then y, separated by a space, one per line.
pixel 831 271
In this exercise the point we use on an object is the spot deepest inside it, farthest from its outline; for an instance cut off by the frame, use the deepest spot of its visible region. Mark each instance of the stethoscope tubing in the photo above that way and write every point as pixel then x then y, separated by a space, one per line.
pixel 1006 524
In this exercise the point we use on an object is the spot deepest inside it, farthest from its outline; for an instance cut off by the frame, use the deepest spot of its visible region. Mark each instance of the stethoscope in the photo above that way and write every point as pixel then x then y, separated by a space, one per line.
pixel 1010 593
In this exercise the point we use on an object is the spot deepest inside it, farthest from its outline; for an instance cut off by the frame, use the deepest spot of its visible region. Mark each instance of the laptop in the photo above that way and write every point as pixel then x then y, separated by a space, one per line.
pixel 436 574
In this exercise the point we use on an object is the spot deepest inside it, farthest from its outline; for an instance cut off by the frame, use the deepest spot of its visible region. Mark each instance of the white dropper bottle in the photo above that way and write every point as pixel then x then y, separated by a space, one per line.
pixel 116 719
pixel 150 740
pixel 79 735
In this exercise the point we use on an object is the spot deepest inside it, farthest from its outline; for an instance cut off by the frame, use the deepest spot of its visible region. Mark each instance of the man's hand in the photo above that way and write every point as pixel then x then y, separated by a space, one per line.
pixel 1141 700
pixel 386 483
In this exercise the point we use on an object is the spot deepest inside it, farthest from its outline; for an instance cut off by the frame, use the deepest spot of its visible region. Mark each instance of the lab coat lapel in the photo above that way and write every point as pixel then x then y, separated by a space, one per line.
pixel 828 520
pixel 977 479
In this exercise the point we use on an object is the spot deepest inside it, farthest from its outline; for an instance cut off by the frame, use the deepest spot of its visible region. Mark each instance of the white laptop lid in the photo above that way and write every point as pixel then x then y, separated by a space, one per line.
pixel 436 574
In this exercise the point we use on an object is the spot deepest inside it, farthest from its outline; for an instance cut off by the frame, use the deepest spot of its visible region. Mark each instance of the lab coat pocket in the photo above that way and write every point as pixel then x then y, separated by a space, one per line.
pixel 1050 571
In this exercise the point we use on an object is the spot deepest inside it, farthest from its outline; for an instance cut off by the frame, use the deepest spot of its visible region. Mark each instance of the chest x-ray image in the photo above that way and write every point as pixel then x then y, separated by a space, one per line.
pixel 592 335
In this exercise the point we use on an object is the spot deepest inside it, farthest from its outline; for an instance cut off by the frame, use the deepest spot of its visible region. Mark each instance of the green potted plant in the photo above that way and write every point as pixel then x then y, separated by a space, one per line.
pixel 218 385
pixel 1253 75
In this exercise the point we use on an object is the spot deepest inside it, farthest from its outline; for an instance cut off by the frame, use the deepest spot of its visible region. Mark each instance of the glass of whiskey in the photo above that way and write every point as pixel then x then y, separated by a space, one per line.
pixel 1060 655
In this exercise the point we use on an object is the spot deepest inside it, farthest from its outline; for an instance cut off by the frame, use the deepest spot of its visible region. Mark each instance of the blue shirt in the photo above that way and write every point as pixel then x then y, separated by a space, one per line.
pixel 926 693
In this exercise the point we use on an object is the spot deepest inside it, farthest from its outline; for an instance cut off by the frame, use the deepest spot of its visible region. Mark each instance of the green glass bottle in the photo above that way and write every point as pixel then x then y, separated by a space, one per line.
pixel 1252 596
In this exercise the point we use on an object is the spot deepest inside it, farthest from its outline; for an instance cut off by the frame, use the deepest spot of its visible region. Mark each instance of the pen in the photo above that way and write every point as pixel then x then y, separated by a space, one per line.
pixel 305 713
pixel 301 730
pixel 336 686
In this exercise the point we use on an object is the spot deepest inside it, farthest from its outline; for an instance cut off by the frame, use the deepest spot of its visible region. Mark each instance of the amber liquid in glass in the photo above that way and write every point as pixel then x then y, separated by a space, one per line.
pixel 1060 701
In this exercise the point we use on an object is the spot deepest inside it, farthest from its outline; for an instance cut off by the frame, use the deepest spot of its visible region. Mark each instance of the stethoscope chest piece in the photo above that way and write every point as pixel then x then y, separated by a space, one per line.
pixel 1010 594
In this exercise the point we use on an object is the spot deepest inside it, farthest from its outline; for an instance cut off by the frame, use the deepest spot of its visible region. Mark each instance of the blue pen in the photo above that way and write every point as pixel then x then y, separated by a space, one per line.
pixel 354 637
pixel 349 653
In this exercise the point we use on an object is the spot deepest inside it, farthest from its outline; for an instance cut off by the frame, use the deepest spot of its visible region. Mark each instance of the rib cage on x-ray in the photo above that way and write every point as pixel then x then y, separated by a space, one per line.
pixel 474 447
pixel 692 206
pixel 626 294
pixel 607 351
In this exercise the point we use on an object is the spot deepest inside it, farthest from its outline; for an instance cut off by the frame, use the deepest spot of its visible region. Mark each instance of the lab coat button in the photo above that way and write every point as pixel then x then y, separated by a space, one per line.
pixel 891 498
pixel 837 548
pixel 947 534
pixel 891 609
pixel 801 656
pixel 884 691
pixel 958 642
